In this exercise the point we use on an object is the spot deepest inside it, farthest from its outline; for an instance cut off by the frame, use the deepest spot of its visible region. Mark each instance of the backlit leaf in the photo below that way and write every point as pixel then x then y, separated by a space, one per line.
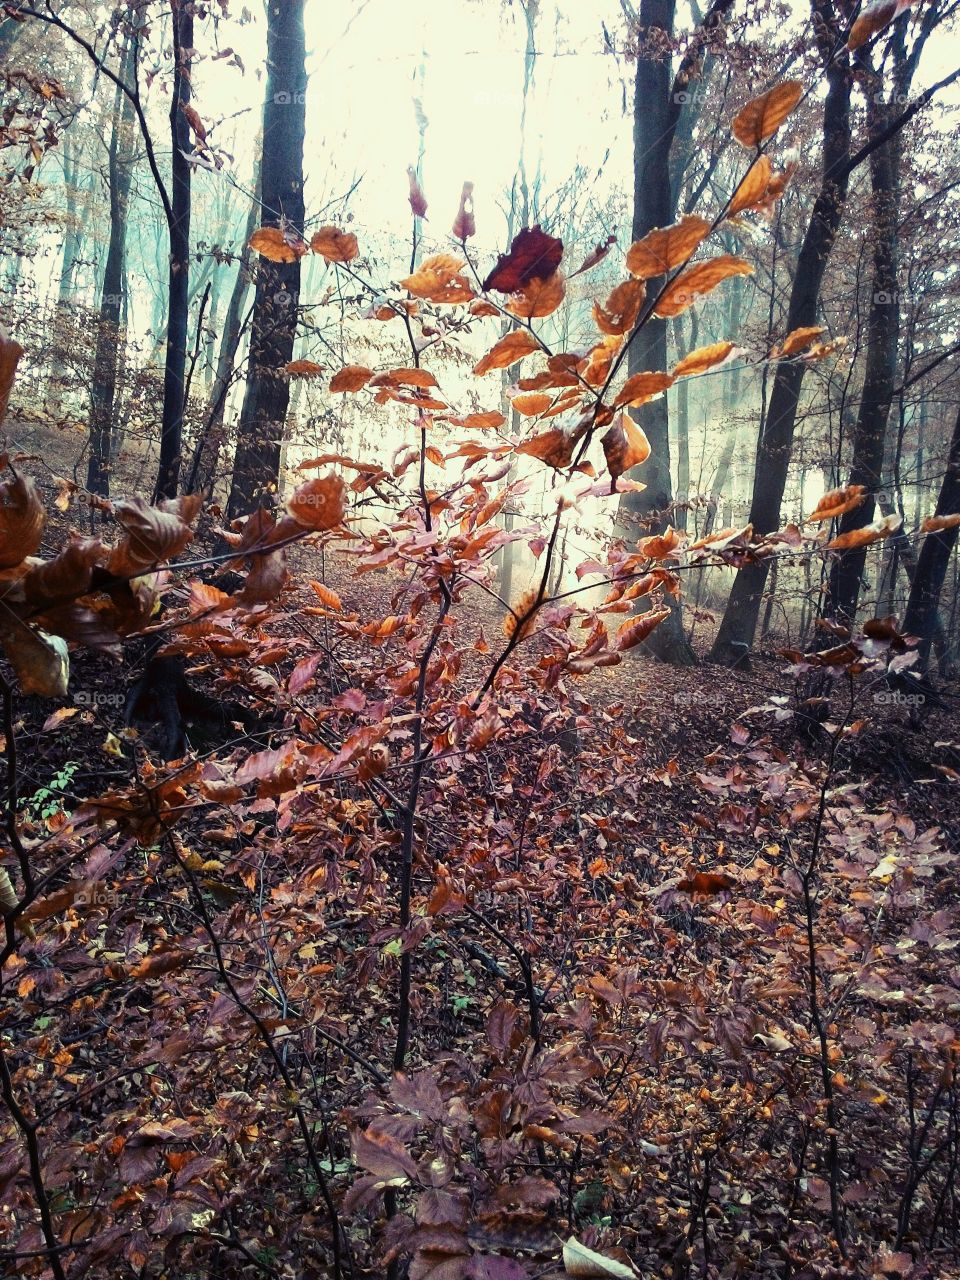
pixel 762 117
pixel 538 297
pixel 335 245
pixel 350 378
pixel 512 347
pixel 278 245
pixel 664 248
pixel 635 630
pixel 641 387
pixel 873 18
pixel 533 253
pixel 703 358
pixel 624 445
pixel 619 312
pixel 836 502
pixel 875 532
pixel 698 280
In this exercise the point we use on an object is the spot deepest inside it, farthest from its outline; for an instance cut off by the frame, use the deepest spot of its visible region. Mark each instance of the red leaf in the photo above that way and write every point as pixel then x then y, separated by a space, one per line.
pixel 464 224
pixel 706 882
pixel 533 253
pixel 418 201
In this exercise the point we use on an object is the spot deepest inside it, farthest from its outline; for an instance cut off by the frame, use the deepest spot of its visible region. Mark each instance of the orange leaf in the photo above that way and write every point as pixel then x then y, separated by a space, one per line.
pixel 303 368
pixel 874 18
pixel 702 278
pixel 875 532
pixel 531 406
pixel 800 339
pixel 538 297
pixel 666 247
pixel 753 188
pixel 660 545
pixel 278 246
pixel 482 421
pixel 702 359
pixel 706 882
pixel 335 245
pixel 351 378
pixel 620 311
pixel 762 117
pixel 933 524
pixel 319 503
pixel 624 446
pixel 405 377
pixel 10 353
pixel 836 502
pixel 555 447
pixel 635 630
pixel 512 347
pixel 325 595
pixel 438 279
pixel 642 387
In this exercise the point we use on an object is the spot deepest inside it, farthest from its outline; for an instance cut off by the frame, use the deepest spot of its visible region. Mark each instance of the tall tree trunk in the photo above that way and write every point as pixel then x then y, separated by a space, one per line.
pixel 256 466
pixel 109 325
pixel 869 439
pixel 924 601
pixel 683 424
pixel 739 623
pixel 178 307
pixel 212 438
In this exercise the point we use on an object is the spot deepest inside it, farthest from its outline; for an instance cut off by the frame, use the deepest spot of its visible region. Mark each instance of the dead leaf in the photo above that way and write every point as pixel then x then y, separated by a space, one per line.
pixel 580 1261
pixel 512 347
pixel 351 378
pixel 762 117
pixel 278 245
pixel 624 445
pixel 698 280
pixel 664 248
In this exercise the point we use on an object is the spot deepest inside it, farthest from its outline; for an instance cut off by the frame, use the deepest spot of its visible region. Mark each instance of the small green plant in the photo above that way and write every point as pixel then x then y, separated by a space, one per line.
pixel 47 800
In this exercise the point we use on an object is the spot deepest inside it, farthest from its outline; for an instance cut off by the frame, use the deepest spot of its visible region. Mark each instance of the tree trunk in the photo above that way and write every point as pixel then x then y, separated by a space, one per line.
pixel 178 307
pixel 109 326
pixel 683 424
pixel 921 616
pixel 869 440
pixel 739 623
pixel 256 466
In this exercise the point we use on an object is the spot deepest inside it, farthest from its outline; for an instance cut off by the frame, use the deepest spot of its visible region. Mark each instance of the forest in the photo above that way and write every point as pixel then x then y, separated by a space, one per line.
pixel 479 639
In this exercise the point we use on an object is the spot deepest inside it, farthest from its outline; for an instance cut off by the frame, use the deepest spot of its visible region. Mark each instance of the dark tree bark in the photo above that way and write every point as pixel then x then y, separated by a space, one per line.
pixel 776 443
pixel 924 601
pixel 110 323
pixel 178 306
pixel 256 467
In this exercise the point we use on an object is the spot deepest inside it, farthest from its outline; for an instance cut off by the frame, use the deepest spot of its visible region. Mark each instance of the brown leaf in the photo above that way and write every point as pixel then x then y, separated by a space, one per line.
pixel 624 445
pixel 10 353
pixel 762 117
pixel 418 201
pixel 873 18
pixel 40 661
pixel 512 347
pixel 539 297
pixel 585 1263
pixel 753 189
pixel 875 532
pixel 700 279
pixel 595 256
pixel 335 245
pixel 707 882
pixel 933 524
pixel 619 312
pixel 351 378
pixel 635 630
pixel 303 368
pixel 464 224
pixel 641 387
pixel 438 279
pixel 664 248
pixel 702 359
pixel 481 421
pixel 384 1156
pixel 152 534
pixel 532 405
pixel 532 254
pixel 22 518
pixel 837 501
pixel 320 503
pixel 799 339
pixel 555 447
pixel 278 245
pixel 404 377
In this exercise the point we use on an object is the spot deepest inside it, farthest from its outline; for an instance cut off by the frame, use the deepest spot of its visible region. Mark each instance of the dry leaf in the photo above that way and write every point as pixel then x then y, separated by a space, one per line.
pixel 666 247
pixel 335 245
pixel 538 297
pixel 703 358
pixel 700 279
pixel 641 387
pixel 278 245
pixel 761 118
pixel 512 347
pixel 624 445
pixel 351 378
pixel 580 1261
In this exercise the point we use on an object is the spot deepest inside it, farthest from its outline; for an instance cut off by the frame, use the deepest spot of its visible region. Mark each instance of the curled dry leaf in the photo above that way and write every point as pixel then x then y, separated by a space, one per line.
pixel 875 532
pixel 22 518
pixel 586 1263
pixel 532 254
pixel 703 358
pixel 320 503
pixel 523 614
pixel 664 248
pixel 641 387
pixel 700 279
pixel 619 313
pixel 278 244
pixel 404 377
pixel 152 534
pixel 595 256
pixel 635 630
pixel 464 224
pixel 624 445
pixel 660 545
pixel 873 18
pixel 539 297
pixel 10 353
pixel 41 661
pixel 512 347
pixel 555 447
pixel 799 340
pixel 418 201
pixel 934 524
pixel 335 245
pixel 753 189
pixel 762 117
pixel 351 378
pixel 836 502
